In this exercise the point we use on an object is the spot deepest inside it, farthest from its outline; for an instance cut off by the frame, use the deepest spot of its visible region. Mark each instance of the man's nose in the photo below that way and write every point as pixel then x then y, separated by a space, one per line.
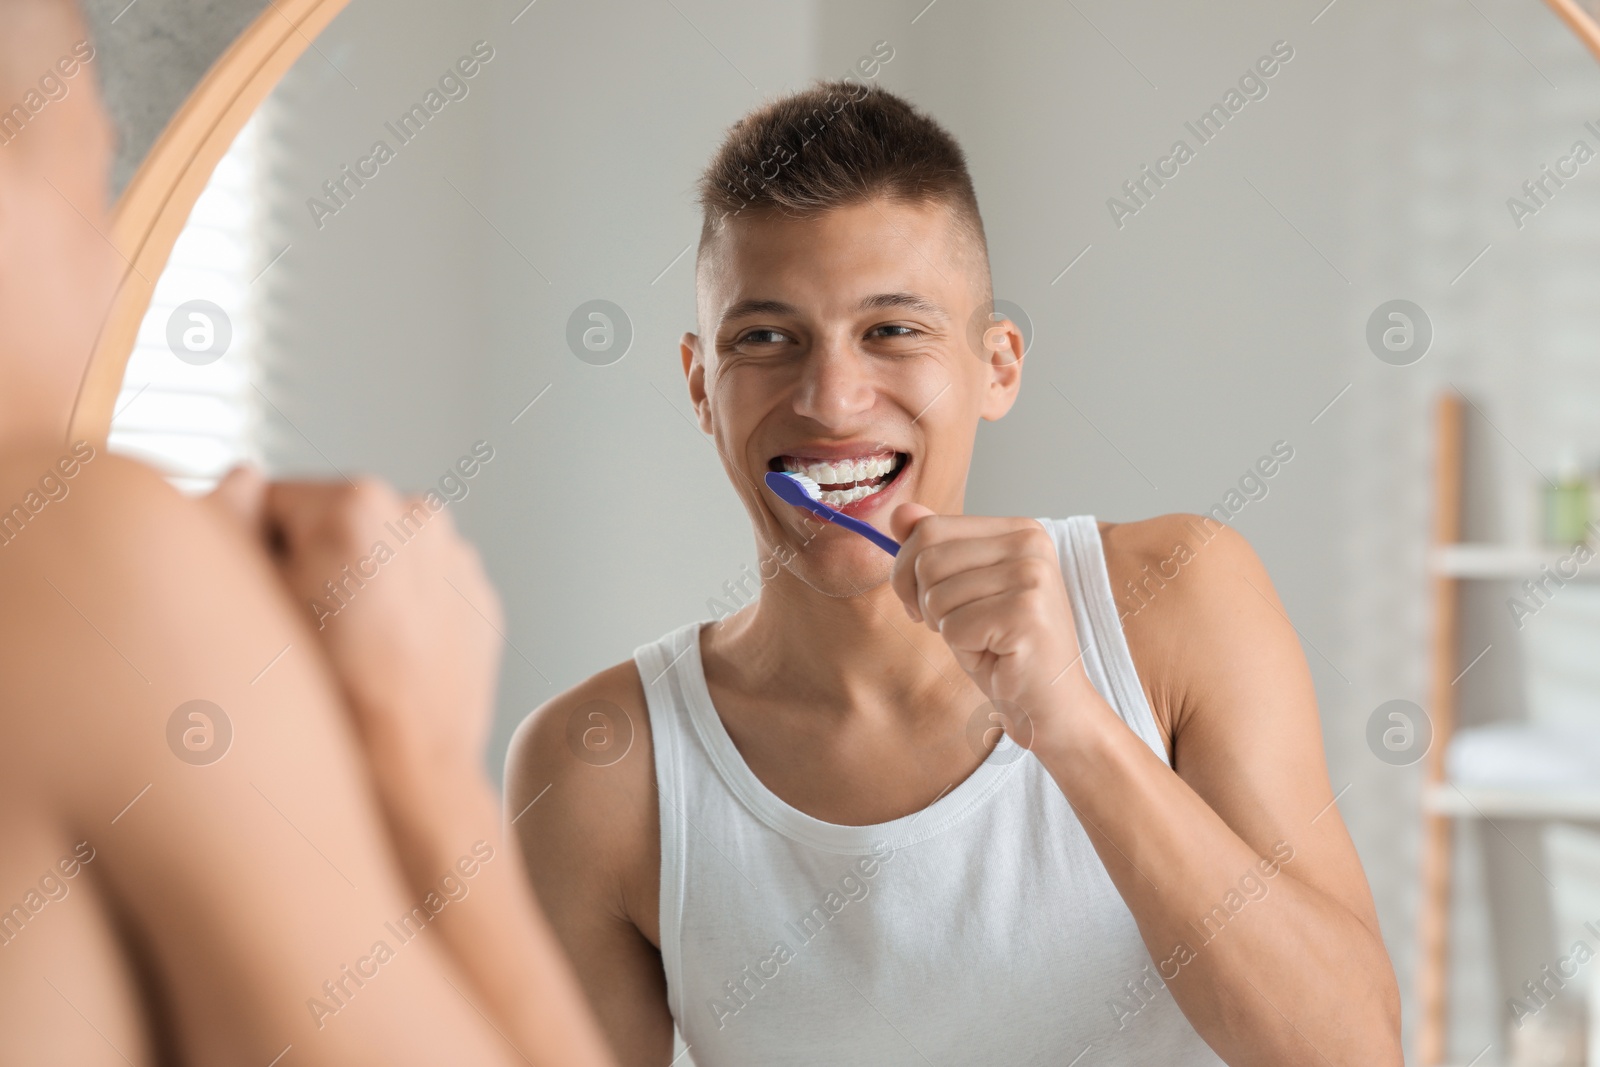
pixel 836 384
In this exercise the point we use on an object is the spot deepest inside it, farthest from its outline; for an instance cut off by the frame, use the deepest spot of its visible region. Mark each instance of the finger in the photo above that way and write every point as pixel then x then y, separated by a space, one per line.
pixel 902 577
pixel 984 626
pixel 938 601
pixel 931 529
pixel 296 512
pixel 944 559
pixel 905 518
pixel 940 539
pixel 306 512
pixel 241 494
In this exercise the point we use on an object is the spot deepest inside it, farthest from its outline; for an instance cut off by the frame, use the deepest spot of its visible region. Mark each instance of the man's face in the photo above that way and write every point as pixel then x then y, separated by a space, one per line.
pixel 843 347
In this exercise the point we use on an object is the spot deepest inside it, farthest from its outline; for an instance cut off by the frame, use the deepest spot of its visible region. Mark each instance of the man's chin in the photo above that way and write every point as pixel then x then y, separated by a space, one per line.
pixel 841 570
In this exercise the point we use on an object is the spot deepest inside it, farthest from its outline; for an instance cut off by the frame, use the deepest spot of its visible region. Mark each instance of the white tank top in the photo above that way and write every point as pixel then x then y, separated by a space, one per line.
pixel 982 929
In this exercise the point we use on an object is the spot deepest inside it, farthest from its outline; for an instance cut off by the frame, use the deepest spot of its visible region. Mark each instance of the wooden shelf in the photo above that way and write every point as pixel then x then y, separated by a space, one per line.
pixel 1469 560
pixel 1565 804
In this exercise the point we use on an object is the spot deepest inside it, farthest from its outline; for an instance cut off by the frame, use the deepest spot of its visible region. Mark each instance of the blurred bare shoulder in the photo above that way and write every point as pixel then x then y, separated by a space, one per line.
pixel 122 593
pixel 580 785
pixel 84 507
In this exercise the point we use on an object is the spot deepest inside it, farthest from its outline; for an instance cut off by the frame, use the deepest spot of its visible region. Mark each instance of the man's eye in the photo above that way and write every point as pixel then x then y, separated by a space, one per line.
pixel 907 331
pixel 761 337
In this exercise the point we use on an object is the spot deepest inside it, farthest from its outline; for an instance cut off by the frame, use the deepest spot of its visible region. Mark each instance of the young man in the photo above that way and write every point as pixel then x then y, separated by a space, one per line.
pixel 816 847
pixel 228 838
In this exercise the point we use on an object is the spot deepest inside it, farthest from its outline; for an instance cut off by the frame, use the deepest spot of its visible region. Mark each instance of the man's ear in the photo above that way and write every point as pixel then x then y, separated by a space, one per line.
pixel 1002 346
pixel 694 372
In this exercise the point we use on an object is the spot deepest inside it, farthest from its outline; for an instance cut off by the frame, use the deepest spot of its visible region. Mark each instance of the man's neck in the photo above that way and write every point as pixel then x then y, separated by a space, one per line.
pixel 855 656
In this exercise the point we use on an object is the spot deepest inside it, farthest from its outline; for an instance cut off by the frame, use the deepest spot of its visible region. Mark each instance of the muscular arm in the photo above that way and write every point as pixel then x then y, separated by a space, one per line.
pixel 1245 885
pixel 589 831
pixel 1233 861
pixel 245 884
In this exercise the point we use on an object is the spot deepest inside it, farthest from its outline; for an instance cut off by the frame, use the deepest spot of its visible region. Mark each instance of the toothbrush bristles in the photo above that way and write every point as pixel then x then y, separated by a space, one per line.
pixel 813 490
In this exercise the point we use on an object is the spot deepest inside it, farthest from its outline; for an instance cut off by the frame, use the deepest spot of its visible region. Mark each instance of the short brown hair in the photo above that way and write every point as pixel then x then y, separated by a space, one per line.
pixel 836 144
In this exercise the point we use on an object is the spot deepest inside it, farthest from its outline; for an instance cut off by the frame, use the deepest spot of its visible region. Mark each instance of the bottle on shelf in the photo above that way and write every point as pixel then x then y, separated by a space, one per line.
pixel 1566 503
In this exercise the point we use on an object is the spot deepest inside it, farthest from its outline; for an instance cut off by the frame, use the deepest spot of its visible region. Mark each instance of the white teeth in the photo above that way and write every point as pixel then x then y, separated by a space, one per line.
pixel 842 472
pixel 856 469
pixel 837 498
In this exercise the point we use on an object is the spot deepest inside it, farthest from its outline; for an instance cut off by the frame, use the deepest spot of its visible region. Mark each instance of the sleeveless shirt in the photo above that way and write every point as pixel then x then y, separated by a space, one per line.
pixel 983 929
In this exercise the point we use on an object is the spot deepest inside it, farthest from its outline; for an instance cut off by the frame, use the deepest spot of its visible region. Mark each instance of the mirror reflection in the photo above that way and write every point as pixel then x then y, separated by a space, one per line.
pixel 845 542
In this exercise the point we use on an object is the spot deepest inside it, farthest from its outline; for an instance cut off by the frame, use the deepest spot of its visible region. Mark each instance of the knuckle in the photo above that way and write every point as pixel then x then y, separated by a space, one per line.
pixel 1032 539
pixel 1041 572
pixel 930 529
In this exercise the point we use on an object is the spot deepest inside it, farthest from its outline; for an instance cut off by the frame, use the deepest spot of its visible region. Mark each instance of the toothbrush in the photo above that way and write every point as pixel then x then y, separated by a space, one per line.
pixel 802 492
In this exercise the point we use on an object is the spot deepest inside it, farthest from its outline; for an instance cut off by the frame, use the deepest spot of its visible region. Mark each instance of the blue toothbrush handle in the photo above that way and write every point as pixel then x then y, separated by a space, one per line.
pixel 870 532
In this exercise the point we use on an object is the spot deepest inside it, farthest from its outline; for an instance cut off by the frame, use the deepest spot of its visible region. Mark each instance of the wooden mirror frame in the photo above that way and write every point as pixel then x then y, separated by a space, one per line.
pixel 1580 21
pixel 156 205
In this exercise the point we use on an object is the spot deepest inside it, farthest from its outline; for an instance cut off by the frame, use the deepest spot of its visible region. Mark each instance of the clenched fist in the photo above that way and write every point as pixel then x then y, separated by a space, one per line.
pixel 992 588
pixel 400 602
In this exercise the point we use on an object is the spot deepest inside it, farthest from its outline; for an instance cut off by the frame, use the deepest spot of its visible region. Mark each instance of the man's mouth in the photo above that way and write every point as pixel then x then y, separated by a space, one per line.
pixel 848 480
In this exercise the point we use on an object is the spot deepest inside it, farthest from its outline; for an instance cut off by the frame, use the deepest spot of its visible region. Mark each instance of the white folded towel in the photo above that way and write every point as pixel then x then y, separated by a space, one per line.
pixel 1521 755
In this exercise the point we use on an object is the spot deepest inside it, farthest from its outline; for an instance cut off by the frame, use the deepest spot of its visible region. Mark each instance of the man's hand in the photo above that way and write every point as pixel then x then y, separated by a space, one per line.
pixel 410 622
pixel 992 587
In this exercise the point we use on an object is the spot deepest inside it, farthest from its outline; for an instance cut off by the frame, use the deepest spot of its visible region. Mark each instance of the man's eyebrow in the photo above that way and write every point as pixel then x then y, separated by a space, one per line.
pixel 746 308
pixel 909 301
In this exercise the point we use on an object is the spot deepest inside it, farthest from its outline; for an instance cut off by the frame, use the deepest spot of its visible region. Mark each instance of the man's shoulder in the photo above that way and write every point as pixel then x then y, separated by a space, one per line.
pixel 1194 601
pixel 1184 562
pixel 98 507
pixel 123 547
pixel 581 767
pixel 126 600
pixel 589 724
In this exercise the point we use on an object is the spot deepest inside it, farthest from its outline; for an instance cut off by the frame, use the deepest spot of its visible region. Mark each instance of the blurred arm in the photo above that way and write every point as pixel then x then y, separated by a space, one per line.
pixel 262 888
